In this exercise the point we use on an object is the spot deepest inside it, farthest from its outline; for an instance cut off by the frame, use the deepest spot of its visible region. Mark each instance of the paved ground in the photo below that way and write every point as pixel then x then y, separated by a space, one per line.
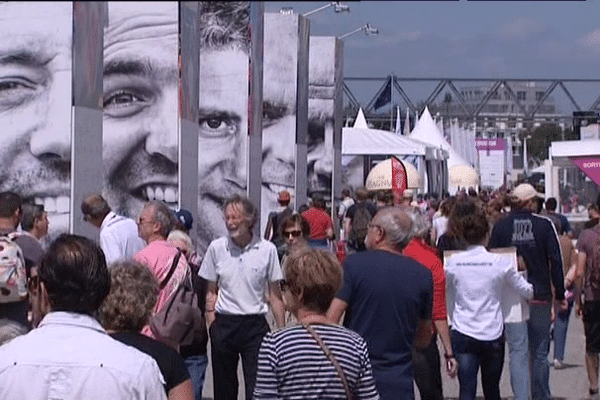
pixel 569 383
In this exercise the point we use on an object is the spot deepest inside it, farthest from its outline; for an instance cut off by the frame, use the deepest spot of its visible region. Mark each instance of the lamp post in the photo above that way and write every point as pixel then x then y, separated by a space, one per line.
pixel 337 7
pixel 369 31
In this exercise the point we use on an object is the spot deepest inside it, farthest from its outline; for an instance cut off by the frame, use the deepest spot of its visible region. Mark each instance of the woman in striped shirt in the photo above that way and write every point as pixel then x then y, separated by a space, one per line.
pixel 291 362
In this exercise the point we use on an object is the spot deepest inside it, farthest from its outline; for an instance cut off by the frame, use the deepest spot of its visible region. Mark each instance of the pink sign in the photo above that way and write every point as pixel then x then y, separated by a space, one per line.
pixel 490 144
pixel 590 166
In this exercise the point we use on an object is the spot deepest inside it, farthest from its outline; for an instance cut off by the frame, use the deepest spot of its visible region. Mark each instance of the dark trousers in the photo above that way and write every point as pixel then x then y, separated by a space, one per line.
pixel 426 370
pixel 232 336
pixel 472 354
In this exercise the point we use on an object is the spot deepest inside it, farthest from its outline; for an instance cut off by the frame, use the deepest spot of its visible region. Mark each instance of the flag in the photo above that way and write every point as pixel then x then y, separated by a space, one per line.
pixel 385 96
pixel 398 121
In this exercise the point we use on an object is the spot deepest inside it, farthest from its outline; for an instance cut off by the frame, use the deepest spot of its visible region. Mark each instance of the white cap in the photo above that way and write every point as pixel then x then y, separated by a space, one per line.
pixel 525 192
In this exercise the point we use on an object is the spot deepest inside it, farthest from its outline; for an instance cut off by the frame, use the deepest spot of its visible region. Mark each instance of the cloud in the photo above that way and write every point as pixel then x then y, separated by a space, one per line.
pixel 520 28
pixel 591 41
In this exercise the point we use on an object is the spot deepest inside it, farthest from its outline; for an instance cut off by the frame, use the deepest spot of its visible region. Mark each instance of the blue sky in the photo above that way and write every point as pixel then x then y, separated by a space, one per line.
pixel 464 39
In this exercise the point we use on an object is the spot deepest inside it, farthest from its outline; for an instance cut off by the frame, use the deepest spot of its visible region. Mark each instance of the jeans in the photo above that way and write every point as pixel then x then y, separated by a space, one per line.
pixel 472 354
pixel 518 350
pixel 196 366
pixel 539 341
pixel 560 332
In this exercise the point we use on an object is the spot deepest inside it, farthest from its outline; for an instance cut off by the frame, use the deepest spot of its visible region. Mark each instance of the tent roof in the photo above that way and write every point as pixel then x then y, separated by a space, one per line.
pixel 360 121
pixel 427 131
pixel 360 141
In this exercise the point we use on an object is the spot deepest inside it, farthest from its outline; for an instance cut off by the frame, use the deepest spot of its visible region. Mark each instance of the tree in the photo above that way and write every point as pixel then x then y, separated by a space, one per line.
pixel 540 138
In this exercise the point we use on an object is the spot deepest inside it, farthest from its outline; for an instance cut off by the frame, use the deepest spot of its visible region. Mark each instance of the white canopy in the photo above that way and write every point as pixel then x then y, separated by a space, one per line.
pixel 427 131
pixel 361 140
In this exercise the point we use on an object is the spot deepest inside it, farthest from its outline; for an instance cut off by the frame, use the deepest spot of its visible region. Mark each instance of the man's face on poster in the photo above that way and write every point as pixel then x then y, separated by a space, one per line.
pixel 35 105
pixel 222 139
pixel 279 117
pixel 140 105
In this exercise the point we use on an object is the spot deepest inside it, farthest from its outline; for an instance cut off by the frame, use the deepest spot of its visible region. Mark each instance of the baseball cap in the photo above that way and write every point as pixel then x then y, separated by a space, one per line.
pixel 284 195
pixel 185 217
pixel 525 192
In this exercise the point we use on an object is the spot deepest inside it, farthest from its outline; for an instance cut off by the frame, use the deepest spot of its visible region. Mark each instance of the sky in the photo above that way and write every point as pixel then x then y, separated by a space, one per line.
pixel 466 39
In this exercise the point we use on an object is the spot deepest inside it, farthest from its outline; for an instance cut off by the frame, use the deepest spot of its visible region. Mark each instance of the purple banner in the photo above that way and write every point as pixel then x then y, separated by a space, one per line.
pixel 590 166
pixel 490 144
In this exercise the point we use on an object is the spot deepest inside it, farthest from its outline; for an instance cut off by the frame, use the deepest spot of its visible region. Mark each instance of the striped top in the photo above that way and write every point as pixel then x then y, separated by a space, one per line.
pixel 291 365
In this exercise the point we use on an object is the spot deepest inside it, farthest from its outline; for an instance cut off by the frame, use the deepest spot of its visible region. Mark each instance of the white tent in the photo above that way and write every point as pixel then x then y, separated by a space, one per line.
pixel 427 131
pixel 361 140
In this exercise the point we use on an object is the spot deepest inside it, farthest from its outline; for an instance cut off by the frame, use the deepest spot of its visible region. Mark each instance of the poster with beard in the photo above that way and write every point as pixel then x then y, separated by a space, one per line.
pixel 140 94
pixel 35 105
pixel 285 68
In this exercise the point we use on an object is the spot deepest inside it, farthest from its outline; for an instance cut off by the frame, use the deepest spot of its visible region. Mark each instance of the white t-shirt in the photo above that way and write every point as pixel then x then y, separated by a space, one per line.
pixel 475 280
pixel 242 275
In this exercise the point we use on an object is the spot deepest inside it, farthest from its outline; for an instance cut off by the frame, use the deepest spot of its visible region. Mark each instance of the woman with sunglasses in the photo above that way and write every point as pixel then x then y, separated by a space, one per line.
pixel 295 230
pixel 313 359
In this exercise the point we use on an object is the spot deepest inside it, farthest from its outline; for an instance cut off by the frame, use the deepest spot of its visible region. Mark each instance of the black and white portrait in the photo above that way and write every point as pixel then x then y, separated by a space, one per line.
pixel 35 105
pixel 280 66
pixel 224 43
pixel 140 127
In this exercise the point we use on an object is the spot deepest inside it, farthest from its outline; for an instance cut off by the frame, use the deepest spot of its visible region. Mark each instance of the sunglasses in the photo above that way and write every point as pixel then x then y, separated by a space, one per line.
pixel 292 233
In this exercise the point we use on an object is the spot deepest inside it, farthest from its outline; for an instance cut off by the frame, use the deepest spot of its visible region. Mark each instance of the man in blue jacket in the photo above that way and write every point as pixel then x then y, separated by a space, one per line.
pixel 536 241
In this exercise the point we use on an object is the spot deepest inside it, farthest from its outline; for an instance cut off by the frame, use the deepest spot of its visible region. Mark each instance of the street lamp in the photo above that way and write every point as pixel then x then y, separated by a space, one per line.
pixel 337 7
pixel 369 31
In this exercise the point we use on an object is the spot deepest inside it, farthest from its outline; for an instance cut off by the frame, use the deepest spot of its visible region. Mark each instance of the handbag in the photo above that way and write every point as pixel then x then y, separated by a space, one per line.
pixel 331 357
pixel 180 320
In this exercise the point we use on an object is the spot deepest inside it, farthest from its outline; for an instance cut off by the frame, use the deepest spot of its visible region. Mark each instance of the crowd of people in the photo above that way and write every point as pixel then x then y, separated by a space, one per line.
pixel 481 272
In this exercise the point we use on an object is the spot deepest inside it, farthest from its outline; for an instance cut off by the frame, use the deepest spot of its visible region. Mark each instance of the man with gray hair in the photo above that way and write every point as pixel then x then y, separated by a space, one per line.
pixel 119 238
pixel 243 275
pixel 387 295
pixel 154 224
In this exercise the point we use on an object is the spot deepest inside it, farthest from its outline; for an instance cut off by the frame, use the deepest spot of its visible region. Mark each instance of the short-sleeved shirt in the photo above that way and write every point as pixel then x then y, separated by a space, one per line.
pixel 588 243
pixel 169 361
pixel 319 222
pixel 159 256
pixel 242 275
pixel 387 294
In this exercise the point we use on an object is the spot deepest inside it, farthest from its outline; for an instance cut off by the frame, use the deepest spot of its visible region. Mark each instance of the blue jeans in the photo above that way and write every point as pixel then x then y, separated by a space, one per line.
pixel 539 347
pixel 196 366
pixel 472 354
pixel 518 350
pixel 560 332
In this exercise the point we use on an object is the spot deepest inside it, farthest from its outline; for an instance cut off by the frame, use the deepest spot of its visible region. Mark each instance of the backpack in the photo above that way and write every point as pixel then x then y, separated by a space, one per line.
pixel 13 278
pixel 360 227
pixel 180 320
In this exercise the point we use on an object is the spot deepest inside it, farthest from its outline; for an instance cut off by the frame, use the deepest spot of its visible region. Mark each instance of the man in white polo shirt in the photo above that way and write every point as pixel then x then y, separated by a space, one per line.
pixel 243 275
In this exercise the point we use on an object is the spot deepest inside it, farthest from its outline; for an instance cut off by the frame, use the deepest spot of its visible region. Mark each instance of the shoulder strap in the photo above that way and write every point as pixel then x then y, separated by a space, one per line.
pixel 171 271
pixel 331 357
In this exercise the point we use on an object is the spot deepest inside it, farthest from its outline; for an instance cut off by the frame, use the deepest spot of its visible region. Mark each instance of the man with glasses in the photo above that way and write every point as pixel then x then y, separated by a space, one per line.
pixel 243 272
pixel 119 238
pixel 154 225
pixel 387 295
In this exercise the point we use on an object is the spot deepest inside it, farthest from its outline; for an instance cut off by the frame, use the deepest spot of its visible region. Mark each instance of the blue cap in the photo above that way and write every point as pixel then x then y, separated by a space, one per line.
pixel 185 217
